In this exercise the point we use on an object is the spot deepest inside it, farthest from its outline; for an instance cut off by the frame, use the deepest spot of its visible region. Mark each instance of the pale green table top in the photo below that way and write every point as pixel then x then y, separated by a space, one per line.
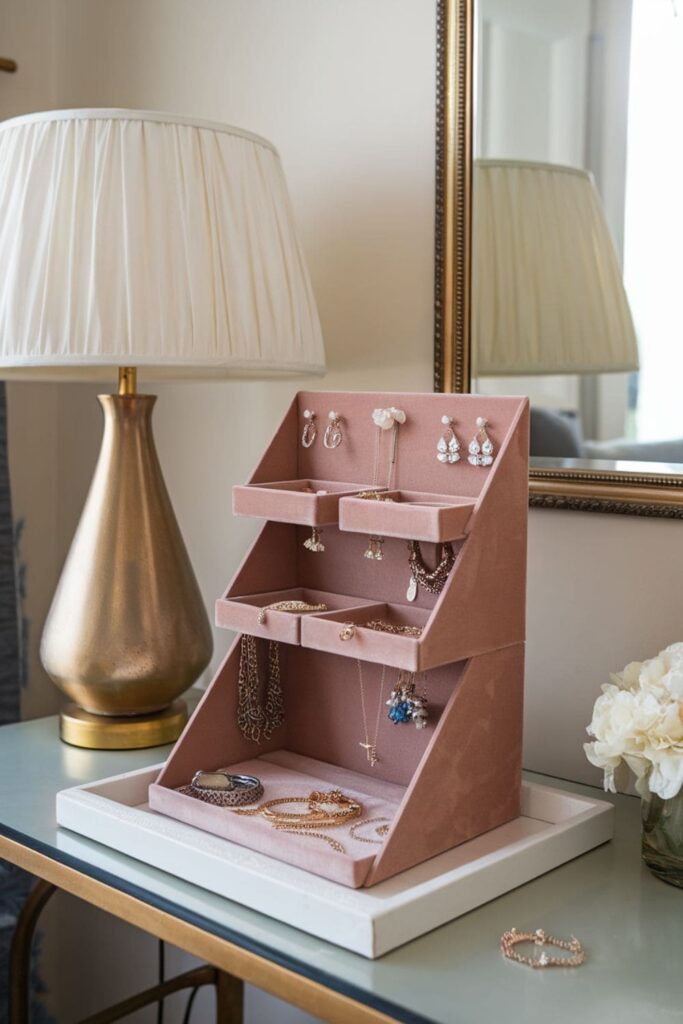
pixel 630 923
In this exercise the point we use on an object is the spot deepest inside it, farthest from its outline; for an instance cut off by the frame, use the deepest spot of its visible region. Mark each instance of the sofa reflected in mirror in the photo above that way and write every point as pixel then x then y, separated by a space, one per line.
pixel 557 434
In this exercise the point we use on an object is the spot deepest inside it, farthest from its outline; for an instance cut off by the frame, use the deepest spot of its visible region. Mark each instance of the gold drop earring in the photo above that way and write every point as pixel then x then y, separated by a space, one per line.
pixel 310 430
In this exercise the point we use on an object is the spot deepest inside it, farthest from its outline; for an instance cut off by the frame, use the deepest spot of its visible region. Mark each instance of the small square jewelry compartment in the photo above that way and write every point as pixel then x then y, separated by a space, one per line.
pixel 249 613
pixel 306 502
pixel 346 632
pixel 413 515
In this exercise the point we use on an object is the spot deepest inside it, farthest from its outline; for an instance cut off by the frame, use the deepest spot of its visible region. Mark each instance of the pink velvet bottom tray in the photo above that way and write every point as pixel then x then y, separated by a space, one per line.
pixel 285 774
pixel 554 827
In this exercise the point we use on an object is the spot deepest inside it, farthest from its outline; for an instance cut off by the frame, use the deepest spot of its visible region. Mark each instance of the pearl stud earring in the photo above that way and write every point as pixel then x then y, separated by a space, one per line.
pixel 448 446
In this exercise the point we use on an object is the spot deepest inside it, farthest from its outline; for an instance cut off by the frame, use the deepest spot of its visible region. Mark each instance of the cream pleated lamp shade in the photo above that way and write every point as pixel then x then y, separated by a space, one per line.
pixel 150 240
pixel 547 289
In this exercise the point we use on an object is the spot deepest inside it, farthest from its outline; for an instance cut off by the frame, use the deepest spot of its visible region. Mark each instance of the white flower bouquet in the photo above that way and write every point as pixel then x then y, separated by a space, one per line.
pixel 638 721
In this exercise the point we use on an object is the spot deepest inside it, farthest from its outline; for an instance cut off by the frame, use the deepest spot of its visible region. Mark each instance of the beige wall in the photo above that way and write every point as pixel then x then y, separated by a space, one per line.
pixel 345 89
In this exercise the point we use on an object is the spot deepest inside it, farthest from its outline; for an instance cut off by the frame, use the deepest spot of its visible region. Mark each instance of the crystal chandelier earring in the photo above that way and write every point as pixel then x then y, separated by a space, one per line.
pixel 310 429
pixel 448 446
pixel 333 435
pixel 314 542
pixel 374 549
pixel 480 447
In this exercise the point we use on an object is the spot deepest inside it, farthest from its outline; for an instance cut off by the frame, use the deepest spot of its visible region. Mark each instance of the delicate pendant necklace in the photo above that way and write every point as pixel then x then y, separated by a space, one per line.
pixel 432 580
pixel 370 747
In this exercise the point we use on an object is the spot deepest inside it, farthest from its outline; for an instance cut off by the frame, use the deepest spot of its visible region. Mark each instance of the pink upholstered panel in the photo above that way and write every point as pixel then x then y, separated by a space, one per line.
pixel 212 738
pixel 325 719
pixel 417 468
pixel 470 778
pixel 483 605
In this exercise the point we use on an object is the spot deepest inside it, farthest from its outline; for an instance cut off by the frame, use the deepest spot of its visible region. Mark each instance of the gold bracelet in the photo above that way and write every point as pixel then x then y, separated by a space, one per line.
pixel 509 940
pixel 289 606
pixel 325 810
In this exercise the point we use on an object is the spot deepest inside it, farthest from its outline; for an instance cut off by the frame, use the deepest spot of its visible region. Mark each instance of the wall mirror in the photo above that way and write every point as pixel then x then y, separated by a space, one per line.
pixel 559 215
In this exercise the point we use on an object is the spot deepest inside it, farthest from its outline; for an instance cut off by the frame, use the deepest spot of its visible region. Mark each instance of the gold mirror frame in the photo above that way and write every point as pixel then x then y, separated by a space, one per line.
pixel 584 490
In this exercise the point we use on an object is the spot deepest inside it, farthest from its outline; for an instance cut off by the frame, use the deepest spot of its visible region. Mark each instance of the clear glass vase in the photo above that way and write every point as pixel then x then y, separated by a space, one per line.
pixel 663 837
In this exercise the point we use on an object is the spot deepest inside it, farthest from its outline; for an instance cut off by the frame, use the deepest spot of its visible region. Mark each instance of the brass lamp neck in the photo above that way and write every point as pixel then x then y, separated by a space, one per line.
pixel 128 380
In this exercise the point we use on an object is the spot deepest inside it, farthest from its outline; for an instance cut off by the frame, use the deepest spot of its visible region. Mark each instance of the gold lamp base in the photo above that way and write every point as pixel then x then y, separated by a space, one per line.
pixel 122 732
pixel 127 633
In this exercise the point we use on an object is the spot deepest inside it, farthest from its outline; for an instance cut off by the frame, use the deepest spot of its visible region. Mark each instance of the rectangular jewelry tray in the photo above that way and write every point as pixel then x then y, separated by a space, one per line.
pixel 555 826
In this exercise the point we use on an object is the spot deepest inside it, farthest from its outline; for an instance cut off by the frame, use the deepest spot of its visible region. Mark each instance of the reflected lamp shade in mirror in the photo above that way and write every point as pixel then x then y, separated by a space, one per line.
pixel 133 240
pixel 547 289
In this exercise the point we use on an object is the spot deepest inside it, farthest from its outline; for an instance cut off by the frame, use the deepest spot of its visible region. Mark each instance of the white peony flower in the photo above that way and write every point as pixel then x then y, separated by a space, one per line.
pixel 637 721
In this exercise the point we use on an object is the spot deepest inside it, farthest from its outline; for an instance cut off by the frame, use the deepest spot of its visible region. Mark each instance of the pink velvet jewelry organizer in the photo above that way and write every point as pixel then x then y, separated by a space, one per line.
pixel 439 786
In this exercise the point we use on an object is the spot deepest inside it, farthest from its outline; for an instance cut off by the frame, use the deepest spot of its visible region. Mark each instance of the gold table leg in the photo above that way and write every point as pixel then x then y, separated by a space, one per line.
pixel 229 989
pixel 229 999
pixel 20 952
pixel 196 978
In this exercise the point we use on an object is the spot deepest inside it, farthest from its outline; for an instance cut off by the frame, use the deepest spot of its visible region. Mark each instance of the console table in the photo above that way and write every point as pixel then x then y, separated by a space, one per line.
pixel 630 924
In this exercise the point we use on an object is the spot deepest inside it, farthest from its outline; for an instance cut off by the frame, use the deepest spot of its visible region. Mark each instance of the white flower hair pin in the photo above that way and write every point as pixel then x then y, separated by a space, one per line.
pixel 386 419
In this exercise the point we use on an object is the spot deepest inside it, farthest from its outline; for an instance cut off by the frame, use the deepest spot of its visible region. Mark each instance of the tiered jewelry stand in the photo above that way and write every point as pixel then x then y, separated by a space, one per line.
pixel 441 785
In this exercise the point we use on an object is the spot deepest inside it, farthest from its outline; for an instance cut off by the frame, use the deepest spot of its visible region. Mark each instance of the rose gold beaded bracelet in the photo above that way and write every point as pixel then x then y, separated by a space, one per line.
pixel 509 940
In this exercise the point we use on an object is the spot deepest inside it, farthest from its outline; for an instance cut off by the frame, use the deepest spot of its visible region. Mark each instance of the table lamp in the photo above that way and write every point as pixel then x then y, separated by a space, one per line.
pixel 547 290
pixel 137 240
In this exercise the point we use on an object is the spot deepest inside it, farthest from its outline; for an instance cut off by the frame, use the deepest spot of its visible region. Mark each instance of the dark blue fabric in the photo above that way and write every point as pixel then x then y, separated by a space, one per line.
pixel 10 660
pixel 14 884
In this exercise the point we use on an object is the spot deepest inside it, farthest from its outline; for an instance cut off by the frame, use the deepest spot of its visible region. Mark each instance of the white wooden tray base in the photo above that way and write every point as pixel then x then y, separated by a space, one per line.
pixel 554 827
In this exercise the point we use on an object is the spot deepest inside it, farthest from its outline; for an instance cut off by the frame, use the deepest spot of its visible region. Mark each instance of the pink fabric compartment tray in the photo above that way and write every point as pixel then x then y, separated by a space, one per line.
pixel 291 501
pixel 241 612
pixel 413 515
pixel 285 774
pixel 322 633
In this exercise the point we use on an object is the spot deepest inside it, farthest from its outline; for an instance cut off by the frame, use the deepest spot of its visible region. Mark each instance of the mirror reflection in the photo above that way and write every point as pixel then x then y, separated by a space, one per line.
pixel 577 220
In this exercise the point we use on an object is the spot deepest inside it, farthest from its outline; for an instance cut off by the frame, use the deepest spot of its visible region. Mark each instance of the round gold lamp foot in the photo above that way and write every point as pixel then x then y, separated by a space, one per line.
pixel 122 732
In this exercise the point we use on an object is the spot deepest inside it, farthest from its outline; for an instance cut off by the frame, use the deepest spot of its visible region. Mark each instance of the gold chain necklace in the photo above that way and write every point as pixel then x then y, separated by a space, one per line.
pixel 289 606
pixel 432 580
pixel 370 748
pixel 255 721
pixel 380 626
